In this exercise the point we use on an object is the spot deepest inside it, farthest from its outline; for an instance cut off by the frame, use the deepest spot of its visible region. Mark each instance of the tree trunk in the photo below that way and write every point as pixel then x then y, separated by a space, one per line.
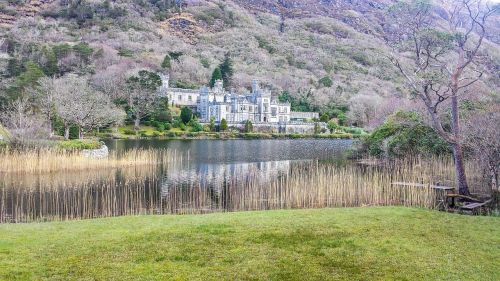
pixel 461 179
pixel 137 123
pixel 66 132
pixel 463 188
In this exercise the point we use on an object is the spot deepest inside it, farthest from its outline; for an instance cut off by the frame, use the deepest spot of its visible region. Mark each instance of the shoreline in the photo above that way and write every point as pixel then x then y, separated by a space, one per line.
pixel 226 136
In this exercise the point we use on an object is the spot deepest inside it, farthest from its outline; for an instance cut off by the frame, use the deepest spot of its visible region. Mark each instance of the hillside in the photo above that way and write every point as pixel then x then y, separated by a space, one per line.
pixel 288 45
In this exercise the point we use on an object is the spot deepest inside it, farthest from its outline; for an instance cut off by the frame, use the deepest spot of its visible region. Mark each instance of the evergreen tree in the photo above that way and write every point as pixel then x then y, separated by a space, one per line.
pixel 166 63
pixel 248 126
pixel 29 78
pixel 212 124
pixel 223 124
pixel 317 129
pixel 186 115
pixel 142 95
pixel 50 66
pixel 226 68
pixel 216 75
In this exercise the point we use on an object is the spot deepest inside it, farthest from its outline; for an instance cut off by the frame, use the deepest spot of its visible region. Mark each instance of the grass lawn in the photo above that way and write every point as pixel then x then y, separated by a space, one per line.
pixel 385 243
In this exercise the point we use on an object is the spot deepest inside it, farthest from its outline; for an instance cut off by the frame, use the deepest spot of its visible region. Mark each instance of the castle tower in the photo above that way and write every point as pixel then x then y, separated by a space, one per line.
pixel 203 105
pixel 219 84
pixel 255 86
pixel 164 80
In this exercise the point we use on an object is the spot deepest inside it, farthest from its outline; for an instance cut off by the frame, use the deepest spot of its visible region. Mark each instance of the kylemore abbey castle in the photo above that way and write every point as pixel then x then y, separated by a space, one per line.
pixel 258 106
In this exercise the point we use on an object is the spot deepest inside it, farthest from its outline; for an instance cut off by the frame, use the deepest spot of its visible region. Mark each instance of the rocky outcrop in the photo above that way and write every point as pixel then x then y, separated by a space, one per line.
pixel 28 8
pixel 100 153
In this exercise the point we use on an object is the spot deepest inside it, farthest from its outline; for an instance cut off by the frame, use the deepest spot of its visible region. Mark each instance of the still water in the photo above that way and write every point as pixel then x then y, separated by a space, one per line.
pixel 208 176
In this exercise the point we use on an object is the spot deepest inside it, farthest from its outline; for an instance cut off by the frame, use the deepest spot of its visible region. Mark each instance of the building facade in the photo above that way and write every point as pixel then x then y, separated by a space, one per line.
pixel 258 105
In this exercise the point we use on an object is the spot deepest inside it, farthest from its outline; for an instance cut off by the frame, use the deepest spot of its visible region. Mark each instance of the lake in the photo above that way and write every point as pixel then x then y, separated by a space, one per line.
pixel 207 176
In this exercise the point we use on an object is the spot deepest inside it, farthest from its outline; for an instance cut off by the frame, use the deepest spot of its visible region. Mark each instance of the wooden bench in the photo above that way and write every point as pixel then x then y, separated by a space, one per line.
pixel 475 206
pixel 438 187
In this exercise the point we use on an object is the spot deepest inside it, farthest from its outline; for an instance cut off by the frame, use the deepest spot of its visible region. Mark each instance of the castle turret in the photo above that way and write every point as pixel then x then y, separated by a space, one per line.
pixel 164 80
pixel 219 86
pixel 255 86
pixel 203 103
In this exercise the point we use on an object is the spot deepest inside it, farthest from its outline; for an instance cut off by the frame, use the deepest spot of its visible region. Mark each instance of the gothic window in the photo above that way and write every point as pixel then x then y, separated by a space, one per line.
pixel 180 97
pixel 190 98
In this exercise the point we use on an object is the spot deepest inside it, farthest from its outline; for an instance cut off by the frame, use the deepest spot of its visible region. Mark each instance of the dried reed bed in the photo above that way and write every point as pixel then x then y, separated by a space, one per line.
pixel 53 160
pixel 147 190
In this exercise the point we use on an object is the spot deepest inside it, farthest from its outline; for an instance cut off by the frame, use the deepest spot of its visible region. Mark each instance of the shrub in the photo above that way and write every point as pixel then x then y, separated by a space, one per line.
pixel 205 62
pixel 3 144
pixel 223 124
pixel 164 116
pixel 354 131
pixel 172 134
pixel 185 84
pixel 196 126
pixel 177 123
pixel 332 126
pixel 264 44
pixel 324 117
pixel 166 63
pixel 248 126
pixel 79 144
pixel 403 134
pixel 325 82
pixel 127 131
pixel 186 115
pixel 122 52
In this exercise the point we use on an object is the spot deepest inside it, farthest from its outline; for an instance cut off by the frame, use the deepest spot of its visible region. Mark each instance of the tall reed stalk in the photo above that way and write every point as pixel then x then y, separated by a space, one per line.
pixel 150 189
pixel 53 160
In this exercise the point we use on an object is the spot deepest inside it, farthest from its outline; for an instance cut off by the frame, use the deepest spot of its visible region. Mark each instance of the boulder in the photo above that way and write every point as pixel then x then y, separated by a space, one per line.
pixel 99 153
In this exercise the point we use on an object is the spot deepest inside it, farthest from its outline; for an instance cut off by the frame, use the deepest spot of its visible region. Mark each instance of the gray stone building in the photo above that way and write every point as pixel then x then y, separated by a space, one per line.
pixel 258 105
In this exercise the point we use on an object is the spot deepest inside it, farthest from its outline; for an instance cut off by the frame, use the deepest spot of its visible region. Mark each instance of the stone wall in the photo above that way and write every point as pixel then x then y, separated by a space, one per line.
pixel 283 128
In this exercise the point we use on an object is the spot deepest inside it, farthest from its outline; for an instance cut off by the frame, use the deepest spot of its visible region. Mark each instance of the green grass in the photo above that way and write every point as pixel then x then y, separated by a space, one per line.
pixel 390 243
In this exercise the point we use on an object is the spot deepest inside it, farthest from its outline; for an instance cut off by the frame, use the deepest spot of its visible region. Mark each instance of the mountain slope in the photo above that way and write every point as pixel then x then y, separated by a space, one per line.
pixel 288 45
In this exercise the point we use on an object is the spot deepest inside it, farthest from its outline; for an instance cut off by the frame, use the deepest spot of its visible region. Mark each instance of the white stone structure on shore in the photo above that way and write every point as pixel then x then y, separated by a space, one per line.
pixel 258 106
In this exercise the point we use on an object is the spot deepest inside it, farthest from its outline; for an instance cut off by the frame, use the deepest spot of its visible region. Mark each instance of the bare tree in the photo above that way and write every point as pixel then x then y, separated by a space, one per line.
pixel 22 121
pixel 43 100
pixel 111 80
pixel 77 103
pixel 439 64
pixel 363 108
pixel 483 139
